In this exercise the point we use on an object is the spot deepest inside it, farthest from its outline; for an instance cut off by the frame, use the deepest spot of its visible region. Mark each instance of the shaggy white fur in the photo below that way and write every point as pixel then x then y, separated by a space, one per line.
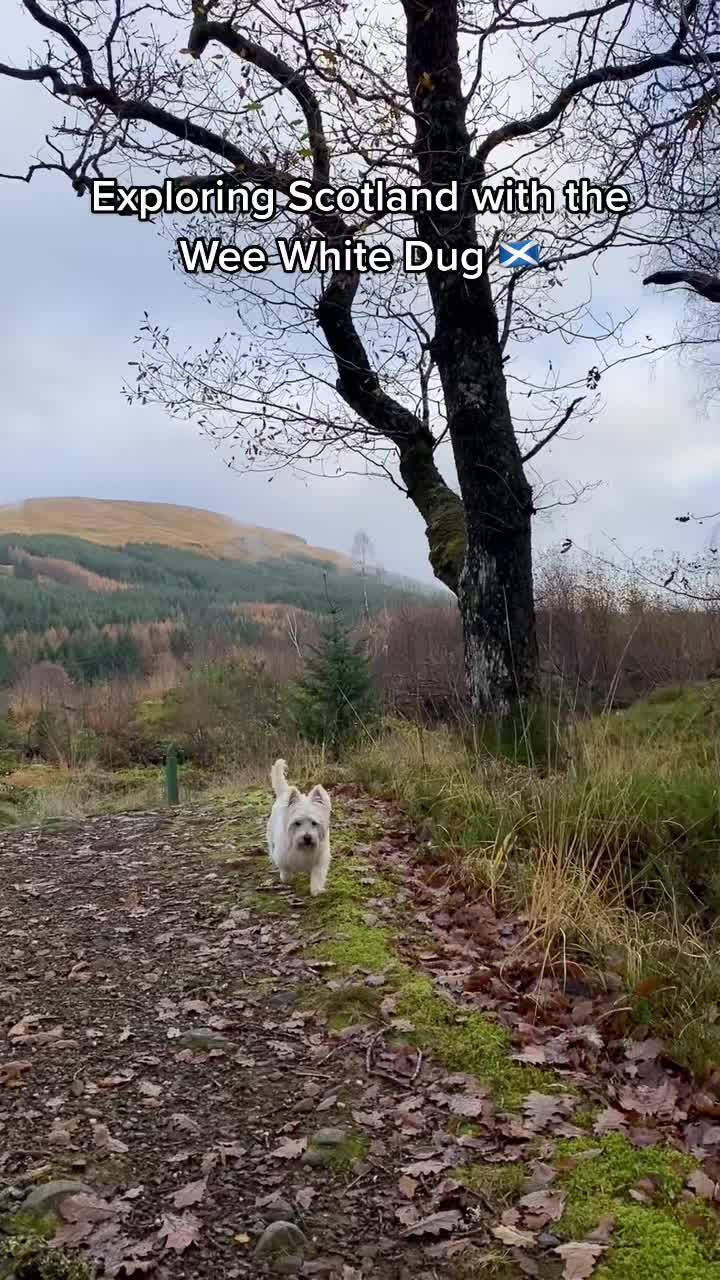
pixel 298 830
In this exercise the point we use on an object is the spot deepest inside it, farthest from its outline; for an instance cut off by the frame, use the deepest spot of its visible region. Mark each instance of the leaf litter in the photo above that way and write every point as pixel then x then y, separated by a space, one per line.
pixel 147 943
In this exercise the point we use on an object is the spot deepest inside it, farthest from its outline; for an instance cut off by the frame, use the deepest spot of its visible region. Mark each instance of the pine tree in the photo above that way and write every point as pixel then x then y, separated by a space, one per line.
pixel 335 699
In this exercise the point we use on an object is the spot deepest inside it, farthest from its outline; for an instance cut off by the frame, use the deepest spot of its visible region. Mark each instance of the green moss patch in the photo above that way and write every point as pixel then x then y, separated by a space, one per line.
pixel 669 1237
pixel 501 1182
pixel 461 1041
pixel 25 1253
pixel 342 1157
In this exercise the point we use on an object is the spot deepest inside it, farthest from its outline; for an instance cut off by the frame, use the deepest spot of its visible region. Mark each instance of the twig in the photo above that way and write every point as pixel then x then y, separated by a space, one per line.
pixel 402 1082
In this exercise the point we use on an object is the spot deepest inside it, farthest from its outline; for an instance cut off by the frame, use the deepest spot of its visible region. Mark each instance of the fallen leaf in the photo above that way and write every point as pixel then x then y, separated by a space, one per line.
pixel 450 1220
pixel 702 1185
pixel 647 987
pixel 290 1149
pixel 407 1187
pixel 511 1236
pixel 184 1123
pixel 11 1073
pixel 540 1109
pixel 191 1193
pixel 579 1259
pixel 305 1196
pixel 178 1232
pixel 645 1190
pixel 103 1140
pixel 544 1206
pixel 467 1105
pixel 542 1175
pixel 84 1207
pixel 609 1121
pixel 421 1168
pixel 148 1089
pixel 603 1231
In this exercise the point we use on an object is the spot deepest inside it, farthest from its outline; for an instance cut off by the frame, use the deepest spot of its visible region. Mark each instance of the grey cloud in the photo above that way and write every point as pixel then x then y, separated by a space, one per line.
pixel 73 290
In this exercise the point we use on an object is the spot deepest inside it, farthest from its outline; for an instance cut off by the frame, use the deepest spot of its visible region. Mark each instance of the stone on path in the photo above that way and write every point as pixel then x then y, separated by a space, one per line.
pixel 280 1237
pixel 45 1198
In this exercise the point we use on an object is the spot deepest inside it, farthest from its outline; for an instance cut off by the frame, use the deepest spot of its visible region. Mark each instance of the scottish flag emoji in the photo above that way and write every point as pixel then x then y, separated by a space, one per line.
pixel 519 253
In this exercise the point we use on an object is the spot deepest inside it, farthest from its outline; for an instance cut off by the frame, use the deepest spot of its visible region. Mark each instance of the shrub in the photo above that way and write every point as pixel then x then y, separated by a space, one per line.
pixel 335 700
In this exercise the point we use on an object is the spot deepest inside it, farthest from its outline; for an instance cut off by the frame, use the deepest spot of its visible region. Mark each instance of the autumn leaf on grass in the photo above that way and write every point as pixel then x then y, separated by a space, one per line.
pixel 541 1109
pixel 191 1193
pixel 421 1168
pixel 542 1176
pixel 178 1231
pixel 579 1259
pixel 648 986
pixel 533 1054
pixel 703 1186
pixel 450 1220
pixel 465 1104
pixel 609 1121
pixel 543 1207
pixel 645 1190
pixel 645 1100
pixel 290 1149
pixel 513 1237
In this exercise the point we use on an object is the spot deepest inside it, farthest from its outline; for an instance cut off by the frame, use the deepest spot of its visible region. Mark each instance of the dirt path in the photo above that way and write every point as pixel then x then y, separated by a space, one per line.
pixel 204 1053
pixel 155 1052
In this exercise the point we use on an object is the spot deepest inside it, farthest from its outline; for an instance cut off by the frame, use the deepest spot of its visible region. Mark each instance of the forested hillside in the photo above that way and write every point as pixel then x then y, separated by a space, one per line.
pixel 97 610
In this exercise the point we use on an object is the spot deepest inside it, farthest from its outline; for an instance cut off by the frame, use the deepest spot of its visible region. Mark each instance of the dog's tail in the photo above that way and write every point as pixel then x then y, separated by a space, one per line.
pixel 278 777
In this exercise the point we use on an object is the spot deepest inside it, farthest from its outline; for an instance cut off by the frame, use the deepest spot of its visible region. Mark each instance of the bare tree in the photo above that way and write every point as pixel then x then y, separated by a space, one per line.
pixel 410 375
pixel 362 550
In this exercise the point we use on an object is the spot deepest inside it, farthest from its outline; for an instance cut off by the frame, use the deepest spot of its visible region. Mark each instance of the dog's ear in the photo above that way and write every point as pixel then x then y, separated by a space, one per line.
pixel 319 795
pixel 293 796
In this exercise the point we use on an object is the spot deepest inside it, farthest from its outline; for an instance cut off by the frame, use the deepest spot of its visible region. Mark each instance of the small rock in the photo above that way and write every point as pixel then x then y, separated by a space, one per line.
pixel 279 1211
pixel 547 1240
pixel 329 1137
pixel 205 1038
pixel 280 1237
pixel 45 1198
pixel 316 1157
pixel 282 1000
pixel 289 1265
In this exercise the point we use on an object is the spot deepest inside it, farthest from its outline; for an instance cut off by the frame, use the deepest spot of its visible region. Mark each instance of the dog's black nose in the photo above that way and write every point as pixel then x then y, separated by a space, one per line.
pixel 307 839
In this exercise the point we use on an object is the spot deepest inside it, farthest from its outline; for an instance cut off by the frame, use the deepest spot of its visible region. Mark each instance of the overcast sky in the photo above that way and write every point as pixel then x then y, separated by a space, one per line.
pixel 74 287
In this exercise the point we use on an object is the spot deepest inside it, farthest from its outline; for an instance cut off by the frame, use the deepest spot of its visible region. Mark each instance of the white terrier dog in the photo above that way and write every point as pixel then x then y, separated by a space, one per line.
pixel 298 830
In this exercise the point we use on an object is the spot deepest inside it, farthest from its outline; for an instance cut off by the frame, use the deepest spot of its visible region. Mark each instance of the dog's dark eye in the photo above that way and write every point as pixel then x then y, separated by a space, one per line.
pixel 313 822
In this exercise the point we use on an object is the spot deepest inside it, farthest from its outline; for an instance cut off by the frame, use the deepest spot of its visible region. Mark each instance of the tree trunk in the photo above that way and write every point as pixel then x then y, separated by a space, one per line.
pixel 495 595
pixel 495 589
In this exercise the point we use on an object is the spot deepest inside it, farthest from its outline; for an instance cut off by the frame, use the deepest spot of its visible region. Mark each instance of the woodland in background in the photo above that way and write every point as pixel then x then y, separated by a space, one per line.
pixel 119 672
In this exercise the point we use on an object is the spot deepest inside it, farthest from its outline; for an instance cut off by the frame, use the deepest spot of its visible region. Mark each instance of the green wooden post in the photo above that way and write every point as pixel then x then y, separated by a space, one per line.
pixel 171 776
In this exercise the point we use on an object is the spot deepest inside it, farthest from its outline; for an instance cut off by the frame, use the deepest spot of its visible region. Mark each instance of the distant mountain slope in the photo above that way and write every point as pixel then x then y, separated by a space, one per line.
pixel 105 589
pixel 115 523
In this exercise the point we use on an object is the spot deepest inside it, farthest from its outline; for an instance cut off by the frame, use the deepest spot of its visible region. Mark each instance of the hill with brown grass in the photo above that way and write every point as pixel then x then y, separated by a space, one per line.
pixel 114 523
